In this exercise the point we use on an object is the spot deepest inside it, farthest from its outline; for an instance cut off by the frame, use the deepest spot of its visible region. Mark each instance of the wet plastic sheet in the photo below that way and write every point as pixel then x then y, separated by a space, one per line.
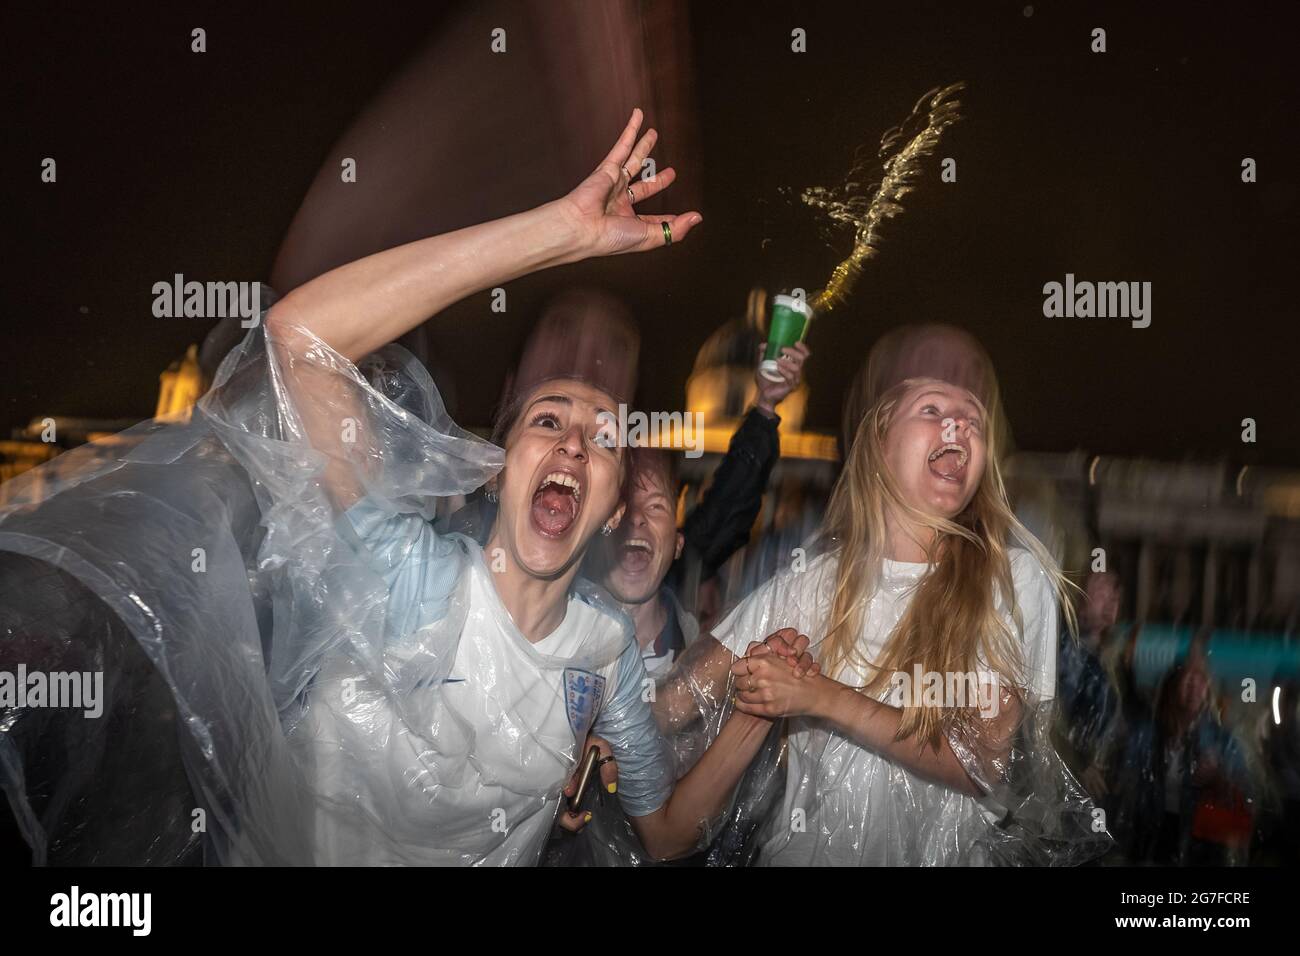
pixel 128 525
pixel 818 798
pixel 314 715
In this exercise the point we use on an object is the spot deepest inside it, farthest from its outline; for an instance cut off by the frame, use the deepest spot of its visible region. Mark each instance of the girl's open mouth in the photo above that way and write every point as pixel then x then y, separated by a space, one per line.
pixel 949 461
pixel 556 504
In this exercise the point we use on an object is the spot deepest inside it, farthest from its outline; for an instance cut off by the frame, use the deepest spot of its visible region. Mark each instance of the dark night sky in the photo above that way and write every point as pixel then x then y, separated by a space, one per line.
pixel 1115 166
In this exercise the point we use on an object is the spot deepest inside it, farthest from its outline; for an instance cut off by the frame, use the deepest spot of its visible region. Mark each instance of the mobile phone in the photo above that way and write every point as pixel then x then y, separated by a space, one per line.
pixel 584 777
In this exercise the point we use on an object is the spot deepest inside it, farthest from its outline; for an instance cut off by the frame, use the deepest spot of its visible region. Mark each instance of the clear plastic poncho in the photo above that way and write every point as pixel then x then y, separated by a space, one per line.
pixel 814 797
pixel 282 683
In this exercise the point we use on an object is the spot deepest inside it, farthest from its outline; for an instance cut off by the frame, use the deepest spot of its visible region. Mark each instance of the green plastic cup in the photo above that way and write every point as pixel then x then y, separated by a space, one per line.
pixel 790 318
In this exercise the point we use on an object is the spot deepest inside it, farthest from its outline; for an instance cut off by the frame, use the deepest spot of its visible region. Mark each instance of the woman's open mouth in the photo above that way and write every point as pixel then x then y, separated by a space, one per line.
pixel 556 504
pixel 949 461
pixel 635 555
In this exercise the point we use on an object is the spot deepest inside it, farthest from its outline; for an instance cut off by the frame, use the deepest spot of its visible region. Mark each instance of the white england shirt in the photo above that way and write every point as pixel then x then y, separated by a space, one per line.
pixel 470 771
pixel 844 804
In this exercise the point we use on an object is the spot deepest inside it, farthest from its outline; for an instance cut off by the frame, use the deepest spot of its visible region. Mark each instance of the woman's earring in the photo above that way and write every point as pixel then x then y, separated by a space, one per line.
pixel 606 530
pixel 492 495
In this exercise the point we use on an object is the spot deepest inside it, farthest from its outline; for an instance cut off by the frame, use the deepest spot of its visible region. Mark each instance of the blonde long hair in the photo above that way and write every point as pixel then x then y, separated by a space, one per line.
pixel 953 618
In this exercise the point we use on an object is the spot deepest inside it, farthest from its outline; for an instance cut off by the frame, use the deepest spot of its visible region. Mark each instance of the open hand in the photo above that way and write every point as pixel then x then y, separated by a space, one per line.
pixel 601 206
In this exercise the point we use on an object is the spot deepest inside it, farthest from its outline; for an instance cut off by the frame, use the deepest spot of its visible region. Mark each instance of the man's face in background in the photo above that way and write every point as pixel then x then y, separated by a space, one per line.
pixel 632 563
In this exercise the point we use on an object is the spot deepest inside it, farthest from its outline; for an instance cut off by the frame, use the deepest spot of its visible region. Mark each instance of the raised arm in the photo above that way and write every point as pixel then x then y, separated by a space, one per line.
pixel 363 305
pixel 366 304
pixel 720 524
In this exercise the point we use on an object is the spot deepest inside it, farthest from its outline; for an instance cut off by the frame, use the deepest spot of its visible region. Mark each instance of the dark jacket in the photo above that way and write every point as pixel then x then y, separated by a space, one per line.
pixel 719 525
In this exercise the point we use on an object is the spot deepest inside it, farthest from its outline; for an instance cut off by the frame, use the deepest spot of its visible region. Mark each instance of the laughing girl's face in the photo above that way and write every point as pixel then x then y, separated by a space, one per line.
pixel 561 478
pixel 935 447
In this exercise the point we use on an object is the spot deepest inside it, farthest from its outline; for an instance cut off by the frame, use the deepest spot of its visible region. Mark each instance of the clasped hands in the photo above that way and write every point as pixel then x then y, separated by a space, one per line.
pixel 777 677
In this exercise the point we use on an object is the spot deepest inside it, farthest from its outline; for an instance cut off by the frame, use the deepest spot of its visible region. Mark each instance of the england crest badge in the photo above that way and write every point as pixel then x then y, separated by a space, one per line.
pixel 582 697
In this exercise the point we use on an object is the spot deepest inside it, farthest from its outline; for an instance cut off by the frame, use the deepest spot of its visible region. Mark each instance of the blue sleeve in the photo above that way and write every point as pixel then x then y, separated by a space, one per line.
pixel 645 773
pixel 419 566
